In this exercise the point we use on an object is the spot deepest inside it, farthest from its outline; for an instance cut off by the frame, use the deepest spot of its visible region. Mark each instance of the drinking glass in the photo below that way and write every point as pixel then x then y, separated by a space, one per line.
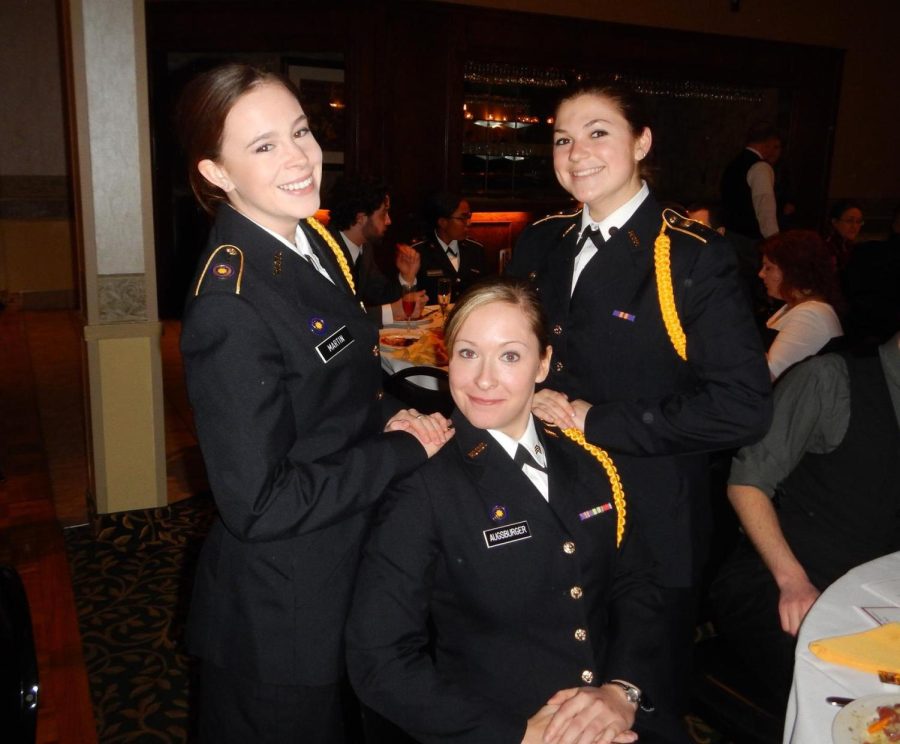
pixel 409 299
pixel 444 287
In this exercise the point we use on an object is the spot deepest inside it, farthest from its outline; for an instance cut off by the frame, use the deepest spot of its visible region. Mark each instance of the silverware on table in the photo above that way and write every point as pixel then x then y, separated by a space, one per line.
pixel 840 702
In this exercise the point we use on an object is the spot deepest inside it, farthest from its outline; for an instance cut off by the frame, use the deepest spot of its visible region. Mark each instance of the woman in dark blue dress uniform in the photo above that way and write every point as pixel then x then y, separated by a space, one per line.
pixel 655 356
pixel 283 376
pixel 515 546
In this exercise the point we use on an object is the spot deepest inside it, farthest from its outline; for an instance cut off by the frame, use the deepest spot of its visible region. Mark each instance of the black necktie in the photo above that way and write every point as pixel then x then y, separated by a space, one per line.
pixel 524 457
pixel 451 251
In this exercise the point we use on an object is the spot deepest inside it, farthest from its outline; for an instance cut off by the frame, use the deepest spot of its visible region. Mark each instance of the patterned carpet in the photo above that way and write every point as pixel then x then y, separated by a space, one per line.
pixel 132 587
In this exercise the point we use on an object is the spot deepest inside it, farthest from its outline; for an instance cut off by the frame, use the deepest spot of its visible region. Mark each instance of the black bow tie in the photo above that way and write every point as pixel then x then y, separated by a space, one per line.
pixel 592 233
pixel 524 457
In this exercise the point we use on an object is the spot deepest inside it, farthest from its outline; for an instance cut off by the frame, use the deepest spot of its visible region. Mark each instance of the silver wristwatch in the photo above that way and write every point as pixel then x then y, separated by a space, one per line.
pixel 633 695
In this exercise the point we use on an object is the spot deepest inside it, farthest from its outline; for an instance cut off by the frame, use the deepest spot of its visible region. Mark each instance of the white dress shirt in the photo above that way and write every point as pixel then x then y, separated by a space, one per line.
pixel 529 440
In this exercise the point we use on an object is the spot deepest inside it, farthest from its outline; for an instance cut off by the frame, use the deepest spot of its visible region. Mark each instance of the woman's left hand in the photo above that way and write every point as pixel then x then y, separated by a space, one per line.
pixel 433 430
pixel 591 714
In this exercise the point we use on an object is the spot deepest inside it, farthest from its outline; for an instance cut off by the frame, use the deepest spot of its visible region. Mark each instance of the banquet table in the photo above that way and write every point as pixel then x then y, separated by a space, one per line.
pixel 838 611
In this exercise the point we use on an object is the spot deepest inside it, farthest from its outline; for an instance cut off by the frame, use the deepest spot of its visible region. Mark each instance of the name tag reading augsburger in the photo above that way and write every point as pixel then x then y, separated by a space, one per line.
pixel 508 533
pixel 334 344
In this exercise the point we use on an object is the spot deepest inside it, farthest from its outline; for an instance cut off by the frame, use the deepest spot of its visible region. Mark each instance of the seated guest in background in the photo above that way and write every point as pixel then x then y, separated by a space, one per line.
pixel 545 616
pixel 796 269
pixel 845 222
pixel 816 497
pixel 359 217
pixel 447 251
pixel 870 282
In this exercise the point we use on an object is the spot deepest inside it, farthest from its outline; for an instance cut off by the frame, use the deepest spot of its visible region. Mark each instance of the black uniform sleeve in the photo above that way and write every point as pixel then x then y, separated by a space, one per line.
pixel 729 404
pixel 266 485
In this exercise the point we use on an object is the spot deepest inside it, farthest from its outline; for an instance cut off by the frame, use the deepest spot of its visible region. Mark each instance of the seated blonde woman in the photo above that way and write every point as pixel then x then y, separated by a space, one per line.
pixel 504 596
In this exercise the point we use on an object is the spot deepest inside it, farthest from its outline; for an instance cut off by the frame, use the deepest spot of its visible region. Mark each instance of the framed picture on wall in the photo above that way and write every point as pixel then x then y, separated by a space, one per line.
pixel 322 95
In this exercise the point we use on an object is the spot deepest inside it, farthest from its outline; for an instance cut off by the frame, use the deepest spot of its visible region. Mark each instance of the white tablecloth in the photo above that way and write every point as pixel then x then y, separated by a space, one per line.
pixel 836 612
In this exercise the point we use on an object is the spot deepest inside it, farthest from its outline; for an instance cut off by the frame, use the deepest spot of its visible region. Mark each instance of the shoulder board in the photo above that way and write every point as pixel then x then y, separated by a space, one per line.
pixel 473 242
pixel 557 217
pixel 226 265
pixel 686 225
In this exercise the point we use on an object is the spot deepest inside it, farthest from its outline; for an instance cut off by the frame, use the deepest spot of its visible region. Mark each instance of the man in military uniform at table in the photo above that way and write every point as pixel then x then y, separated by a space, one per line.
pixel 447 252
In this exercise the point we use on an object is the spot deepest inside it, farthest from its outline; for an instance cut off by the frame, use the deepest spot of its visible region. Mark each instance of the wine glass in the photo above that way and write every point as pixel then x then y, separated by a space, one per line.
pixel 444 286
pixel 409 299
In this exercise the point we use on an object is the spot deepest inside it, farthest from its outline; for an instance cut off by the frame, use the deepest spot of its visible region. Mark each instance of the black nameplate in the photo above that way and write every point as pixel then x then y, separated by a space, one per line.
pixel 335 344
pixel 508 533
pixel 434 272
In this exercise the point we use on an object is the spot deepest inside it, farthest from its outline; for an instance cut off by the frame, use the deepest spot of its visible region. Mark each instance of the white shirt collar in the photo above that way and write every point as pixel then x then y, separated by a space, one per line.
pixel 354 249
pixel 617 217
pixel 452 244
pixel 529 440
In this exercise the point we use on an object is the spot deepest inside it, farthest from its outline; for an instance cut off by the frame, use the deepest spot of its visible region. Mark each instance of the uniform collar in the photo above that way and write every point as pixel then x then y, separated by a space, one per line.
pixel 617 217
pixel 529 440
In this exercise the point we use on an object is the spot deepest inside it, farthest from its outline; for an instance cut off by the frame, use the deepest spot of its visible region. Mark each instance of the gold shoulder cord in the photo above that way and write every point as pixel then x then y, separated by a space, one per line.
pixel 663 265
pixel 615 482
pixel 335 249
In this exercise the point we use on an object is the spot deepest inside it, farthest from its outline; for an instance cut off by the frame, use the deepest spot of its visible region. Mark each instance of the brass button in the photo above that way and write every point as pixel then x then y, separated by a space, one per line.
pixel 532 275
pixel 379 395
pixel 580 634
pixel 576 592
pixel 568 547
pixel 557 330
pixel 558 366
pixel 587 676
pixel 231 251
pixel 376 351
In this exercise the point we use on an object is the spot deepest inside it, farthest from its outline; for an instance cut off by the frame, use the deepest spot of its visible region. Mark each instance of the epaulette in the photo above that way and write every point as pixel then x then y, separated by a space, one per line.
pixel 557 217
pixel 686 225
pixel 225 264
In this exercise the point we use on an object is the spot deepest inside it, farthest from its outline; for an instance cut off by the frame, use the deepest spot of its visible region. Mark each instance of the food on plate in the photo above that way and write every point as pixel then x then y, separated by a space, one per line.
pixel 397 341
pixel 886 727
pixel 429 349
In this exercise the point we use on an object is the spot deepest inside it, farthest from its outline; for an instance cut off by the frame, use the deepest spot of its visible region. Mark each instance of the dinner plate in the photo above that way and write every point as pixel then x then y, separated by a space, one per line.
pixel 851 722
pixel 394 341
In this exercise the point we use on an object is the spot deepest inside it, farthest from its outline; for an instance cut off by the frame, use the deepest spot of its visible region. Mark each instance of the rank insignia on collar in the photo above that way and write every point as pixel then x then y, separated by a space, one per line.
pixel 477 450
pixel 635 240
pixel 222 271
pixel 317 326
pixel 498 513
pixel 276 262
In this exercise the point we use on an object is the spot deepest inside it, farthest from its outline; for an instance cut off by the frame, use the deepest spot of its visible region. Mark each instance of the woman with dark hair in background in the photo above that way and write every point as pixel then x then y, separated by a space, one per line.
pixel 283 376
pixel 655 354
pixel 796 269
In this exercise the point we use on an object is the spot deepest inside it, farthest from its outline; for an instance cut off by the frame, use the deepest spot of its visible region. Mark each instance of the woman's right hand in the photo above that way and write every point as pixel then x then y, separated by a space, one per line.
pixel 432 430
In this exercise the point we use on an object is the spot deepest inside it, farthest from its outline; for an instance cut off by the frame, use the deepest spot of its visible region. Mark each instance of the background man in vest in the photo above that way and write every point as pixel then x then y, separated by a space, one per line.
pixel 818 495
pixel 748 185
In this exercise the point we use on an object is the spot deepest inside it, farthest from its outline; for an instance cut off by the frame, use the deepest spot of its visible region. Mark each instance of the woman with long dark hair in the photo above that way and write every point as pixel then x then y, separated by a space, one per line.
pixel 284 379
pixel 655 354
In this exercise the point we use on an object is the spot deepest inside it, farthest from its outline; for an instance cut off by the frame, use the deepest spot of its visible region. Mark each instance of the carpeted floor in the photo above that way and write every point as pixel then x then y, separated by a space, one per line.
pixel 132 587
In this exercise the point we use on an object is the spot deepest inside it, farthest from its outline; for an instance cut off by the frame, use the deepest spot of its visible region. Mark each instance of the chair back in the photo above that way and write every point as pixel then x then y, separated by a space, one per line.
pixel 424 399
pixel 18 671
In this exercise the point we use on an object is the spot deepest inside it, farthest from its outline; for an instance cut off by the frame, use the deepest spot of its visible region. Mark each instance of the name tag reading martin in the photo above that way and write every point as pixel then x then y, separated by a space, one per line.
pixel 334 344
pixel 508 533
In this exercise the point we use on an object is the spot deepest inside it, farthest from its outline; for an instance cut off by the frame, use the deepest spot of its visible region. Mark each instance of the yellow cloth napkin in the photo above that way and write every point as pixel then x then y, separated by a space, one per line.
pixel 876 650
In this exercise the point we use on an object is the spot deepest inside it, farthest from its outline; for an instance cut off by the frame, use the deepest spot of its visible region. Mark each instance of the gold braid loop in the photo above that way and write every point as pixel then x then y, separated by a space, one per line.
pixel 335 249
pixel 615 482
pixel 663 265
